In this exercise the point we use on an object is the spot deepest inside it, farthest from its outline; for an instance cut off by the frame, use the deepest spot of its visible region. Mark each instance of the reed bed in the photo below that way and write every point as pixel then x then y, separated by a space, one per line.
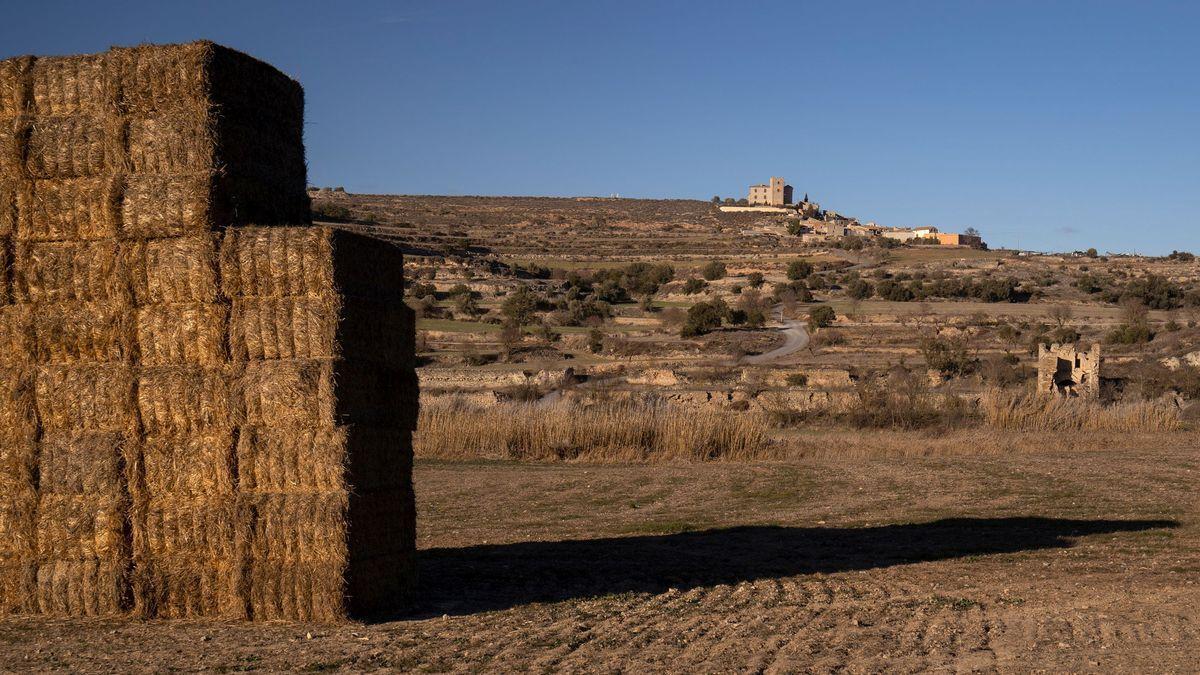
pixel 451 429
pixel 1023 411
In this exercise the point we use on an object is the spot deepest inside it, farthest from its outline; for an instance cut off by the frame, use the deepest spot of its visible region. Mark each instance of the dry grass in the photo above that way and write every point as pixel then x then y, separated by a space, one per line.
pixel 451 429
pixel 1003 409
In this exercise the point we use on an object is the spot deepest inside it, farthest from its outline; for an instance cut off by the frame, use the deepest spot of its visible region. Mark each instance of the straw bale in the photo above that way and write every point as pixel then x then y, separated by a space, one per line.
pixel 16 335
pixel 71 85
pixel 168 143
pixel 18 407
pixel 167 206
pixel 18 466
pixel 83 332
pixel 80 527
pixel 306 393
pixel 309 262
pixel 93 464
pixel 88 587
pixel 188 466
pixel 61 271
pixel 15 85
pixel 69 209
pixel 74 146
pixel 189 558
pixel 8 204
pixel 297 557
pixel 382 523
pixel 85 397
pixel 274 460
pixel 185 400
pixel 178 269
pixel 14 135
pixel 321 327
pixel 18 524
pixel 181 333
pixel 380 584
pixel 5 270
pixel 18 585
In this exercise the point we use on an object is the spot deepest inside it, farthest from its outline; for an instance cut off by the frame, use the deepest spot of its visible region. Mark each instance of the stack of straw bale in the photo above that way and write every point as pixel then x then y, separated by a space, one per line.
pixel 194 413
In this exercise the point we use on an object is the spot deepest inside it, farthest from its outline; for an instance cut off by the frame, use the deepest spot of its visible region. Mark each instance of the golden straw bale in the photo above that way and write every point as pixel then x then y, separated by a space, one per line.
pixel 18 464
pixel 189 558
pixel 91 463
pixel 18 523
pixel 87 587
pixel 71 85
pixel 61 271
pixel 167 206
pixel 289 394
pixel 284 328
pixel 5 270
pixel 15 85
pixel 14 136
pixel 297 556
pixel 176 269
pixel 69 209
pixel 188 466
pixel 8 205
pixel 16 335
pixel 181 333
pixel 309 261
pixel 80 527
pixel 171 143
pixel 83 332
pixel 274 460
pixel 85 397
pixel 18 404
pixel 18 586
pixel 185 400
pixel 74 146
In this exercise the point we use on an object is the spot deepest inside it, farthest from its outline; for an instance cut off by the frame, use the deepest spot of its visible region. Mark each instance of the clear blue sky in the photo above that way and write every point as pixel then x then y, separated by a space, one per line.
pixel 1049 125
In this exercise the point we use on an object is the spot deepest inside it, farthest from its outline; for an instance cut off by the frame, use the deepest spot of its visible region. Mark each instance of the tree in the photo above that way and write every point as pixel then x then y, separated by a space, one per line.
pixel 755 279
pixel 702 318
pixel 595 340
pixel 693 286
pixel 716 199
pixel 464 304
pixel 713 270
pixel 520 307
pixel 799 269
pixel 1060 315
pixel 860 289
pixel 970 232
pixel 1092 253
pixel 820 317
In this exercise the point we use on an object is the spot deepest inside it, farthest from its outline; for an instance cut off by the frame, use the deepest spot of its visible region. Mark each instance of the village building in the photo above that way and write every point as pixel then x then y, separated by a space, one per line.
pixel 775 193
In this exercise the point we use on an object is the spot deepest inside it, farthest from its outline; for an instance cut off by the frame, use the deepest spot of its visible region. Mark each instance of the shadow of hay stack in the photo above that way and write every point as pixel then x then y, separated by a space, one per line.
pixel 206 403
pixel 495 577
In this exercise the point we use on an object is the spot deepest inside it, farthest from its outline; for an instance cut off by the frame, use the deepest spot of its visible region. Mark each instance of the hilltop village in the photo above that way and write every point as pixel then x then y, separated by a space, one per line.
pixel 809 221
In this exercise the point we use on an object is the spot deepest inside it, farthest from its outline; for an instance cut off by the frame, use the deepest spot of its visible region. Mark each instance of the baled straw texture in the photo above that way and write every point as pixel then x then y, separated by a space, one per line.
pixel 297 556
pixel 188 467
pixel 69 209
pixel 177 269
pixel 14 134
pixel 9 188
pixel 183 333
pixel 190 558
pixel 72 85
pixel 271 460
pixel 83 332
pixel 16 335
pixel 15 89
pixel 179 400
pixel 86 398
pixel 167 206
pixel 284 328
pixel 74 146
pixel 63 271
pixel 18 404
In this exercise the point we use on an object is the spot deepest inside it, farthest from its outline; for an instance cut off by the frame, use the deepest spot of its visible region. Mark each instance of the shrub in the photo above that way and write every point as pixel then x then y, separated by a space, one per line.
pixel 694 285
pixel 755 279
pixel 702 318
pixel 820 317
pixel 860 289
pixel 713 270
pixel 797 380
pixel 520 307
pixel 949 356
pixel 799 269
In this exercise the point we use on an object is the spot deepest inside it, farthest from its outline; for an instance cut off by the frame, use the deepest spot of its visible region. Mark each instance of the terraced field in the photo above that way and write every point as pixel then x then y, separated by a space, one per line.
pixel 1047 561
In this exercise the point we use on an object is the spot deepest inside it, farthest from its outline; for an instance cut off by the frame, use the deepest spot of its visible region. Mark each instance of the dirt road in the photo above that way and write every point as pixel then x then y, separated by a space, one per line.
pixel 1060 561
pixel 795 338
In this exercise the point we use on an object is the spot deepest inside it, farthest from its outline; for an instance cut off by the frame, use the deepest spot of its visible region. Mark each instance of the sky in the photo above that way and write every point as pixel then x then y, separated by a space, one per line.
pixel 1048 125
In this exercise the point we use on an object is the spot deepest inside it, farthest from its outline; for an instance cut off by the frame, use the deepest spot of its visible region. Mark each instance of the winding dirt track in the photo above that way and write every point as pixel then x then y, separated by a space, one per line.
pixel 1055 561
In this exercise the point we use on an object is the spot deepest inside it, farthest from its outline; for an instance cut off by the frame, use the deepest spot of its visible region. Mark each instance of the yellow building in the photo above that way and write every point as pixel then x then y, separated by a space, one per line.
pixel 775 193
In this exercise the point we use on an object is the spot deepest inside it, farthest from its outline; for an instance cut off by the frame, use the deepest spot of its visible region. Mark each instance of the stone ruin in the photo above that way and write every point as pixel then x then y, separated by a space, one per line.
pixel 1064 370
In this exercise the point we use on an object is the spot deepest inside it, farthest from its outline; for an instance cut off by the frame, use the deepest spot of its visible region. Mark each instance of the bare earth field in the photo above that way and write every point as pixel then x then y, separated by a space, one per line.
pixel 1052 561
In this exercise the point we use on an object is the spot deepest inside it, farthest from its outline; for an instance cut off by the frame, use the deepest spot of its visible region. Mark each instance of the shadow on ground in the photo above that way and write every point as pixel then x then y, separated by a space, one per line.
pixel 484 578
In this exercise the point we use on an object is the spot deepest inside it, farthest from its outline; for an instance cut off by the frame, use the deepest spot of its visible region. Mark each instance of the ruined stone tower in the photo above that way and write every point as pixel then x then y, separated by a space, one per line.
pixel 1065 370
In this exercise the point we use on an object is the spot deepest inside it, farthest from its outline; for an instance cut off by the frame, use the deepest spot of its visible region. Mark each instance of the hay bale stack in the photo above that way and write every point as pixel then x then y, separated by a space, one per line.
pixel 324 346
pixel 195 414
